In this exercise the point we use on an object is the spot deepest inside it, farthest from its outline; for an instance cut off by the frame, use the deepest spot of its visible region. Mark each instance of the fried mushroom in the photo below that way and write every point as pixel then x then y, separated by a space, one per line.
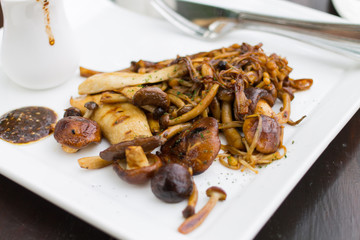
pixel 172 183
pixel 76 132
pixel 195 147
pixel 138 168
pixel 270 133
pixel 151 96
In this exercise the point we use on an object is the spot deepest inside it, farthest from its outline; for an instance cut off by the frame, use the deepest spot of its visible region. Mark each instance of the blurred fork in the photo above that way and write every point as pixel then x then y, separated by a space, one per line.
pixel 210 22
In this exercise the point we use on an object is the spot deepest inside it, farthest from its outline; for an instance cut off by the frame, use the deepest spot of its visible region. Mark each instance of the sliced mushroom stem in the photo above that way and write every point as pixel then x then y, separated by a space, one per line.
pixel 164 86
pixel 135 157
pixel 69 149
pixel 181 96
pixel 90 108
pixel 294 123
pixel 190 208
pixel 88 113
pixel 215 108
pixel 95 162
pixel 241 103
pixel 153 124
pixel 284 116
pixel 149 108
pixel 173 130
pixel 191 223
pixel 85 72
pixel 206 70
pixel 138 175
pixel 232 136
pixel 185 83
pixel 233 124
pixel 198 109
pixel 176 100
pixel 205 113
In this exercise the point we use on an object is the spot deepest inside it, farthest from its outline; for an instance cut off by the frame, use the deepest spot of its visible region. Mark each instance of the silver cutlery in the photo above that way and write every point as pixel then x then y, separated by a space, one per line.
pixel 211 22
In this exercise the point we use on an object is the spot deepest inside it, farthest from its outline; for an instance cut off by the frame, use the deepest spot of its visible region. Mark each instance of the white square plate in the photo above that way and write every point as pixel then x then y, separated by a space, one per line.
pixel 110 38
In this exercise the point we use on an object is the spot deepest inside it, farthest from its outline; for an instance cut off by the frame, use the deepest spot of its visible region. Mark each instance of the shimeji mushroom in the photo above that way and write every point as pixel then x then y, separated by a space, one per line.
pixel 72 111
pixel 216 194
pixel 90 108
pixel 232 136
pixel 190 208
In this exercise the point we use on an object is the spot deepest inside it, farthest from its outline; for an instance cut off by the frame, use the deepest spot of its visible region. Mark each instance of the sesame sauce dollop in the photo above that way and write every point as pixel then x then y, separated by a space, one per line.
pixel 27 124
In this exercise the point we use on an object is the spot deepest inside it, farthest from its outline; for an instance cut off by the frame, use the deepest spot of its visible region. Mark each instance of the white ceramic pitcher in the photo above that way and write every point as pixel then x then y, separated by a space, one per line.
pixel 38 48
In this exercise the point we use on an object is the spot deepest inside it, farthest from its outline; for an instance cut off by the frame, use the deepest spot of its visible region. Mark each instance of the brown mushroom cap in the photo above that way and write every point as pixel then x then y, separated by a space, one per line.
pixel 172 183
pixel 216 190
pixel 72 111
pixel 90 108
pixel 151 96
pixel 289 91
pixel 225 94
pixel 195 147
pixel 77 132
pixel 91 105
pixel 117 151
pixel 164 121
pixel 255 94
pixel 269 139
pixel 137 175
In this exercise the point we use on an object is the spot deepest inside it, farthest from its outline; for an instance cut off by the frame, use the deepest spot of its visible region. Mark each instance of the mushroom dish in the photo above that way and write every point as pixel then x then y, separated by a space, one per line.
pixel 168 121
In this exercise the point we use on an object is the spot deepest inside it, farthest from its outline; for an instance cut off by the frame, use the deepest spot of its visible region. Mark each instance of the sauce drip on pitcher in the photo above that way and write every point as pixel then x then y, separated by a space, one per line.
pixel 45 7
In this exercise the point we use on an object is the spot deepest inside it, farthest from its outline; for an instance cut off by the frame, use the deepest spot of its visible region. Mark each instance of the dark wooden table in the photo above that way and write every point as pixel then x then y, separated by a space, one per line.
pixel 324 205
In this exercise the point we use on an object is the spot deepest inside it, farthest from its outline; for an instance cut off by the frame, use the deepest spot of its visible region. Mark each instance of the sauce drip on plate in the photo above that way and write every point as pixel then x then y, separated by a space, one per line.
pixel 27 124
pixel 45 7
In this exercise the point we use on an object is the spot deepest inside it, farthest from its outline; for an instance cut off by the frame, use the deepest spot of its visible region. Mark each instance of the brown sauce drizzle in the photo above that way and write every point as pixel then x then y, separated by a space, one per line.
pixel 27 124
pixel 48 30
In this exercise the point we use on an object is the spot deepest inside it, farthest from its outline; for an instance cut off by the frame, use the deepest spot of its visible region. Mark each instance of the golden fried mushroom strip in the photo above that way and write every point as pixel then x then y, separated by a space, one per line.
pixel 93 162
pixel 121 122
pixel 116 80
pixel 85 72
